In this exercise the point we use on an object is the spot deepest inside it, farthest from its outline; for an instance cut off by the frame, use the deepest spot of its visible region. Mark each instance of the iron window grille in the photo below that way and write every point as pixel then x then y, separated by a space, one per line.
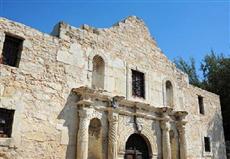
pixel 138 84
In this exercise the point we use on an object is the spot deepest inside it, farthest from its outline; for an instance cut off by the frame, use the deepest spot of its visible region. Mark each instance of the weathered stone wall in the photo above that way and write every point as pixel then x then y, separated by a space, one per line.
pixel 200 125
pixel 46 121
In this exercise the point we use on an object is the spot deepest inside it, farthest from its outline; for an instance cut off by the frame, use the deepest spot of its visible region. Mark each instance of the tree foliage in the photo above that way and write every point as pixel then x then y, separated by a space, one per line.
pixel 190 69
pixel 216 72
pixel 216 79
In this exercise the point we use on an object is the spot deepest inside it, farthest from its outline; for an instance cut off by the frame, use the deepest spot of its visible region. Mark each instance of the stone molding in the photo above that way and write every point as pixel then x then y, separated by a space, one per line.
pixel 88 95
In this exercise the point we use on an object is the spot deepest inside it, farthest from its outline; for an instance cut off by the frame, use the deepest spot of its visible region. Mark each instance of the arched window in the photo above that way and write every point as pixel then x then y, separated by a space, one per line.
pixel 169 93
pixel 98 72
pixel 95 140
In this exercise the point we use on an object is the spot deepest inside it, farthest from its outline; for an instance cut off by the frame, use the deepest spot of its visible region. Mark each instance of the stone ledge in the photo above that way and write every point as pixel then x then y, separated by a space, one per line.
pixel 5 142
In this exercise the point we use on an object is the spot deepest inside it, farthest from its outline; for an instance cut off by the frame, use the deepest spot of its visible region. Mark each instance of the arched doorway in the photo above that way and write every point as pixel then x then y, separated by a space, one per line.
pixel 136 147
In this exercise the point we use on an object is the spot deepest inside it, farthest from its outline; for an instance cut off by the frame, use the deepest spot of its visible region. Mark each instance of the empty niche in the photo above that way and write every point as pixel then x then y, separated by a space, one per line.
pixel 98 72
pixel 169 93
pixel 95 139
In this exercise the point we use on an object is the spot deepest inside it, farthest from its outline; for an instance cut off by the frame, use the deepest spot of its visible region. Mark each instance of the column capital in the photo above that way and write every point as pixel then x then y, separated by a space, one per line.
pixel 181 125
pixel 180 115
pixel 113 117
pixel 85 113
pixel 165 125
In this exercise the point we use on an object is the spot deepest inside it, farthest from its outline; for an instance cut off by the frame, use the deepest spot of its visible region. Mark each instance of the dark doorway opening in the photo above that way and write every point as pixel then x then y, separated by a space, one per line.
pixel 136 148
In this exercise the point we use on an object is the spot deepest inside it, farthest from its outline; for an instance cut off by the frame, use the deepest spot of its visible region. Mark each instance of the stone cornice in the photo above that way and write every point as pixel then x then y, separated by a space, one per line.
pixel 88 95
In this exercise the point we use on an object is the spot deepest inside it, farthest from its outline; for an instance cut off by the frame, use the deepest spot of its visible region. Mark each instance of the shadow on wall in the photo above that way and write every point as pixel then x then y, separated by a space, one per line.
pixel 157 133
pixel 68 118
pixel 228 149
pixel 217 140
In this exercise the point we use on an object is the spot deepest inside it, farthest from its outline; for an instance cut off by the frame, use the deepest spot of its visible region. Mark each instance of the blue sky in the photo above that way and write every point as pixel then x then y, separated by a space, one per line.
pixel 181 28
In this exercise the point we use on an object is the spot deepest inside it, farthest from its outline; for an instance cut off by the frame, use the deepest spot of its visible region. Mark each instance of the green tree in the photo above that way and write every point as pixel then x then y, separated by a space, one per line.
pixel 216 79
pixel 216 73
pixel 190 69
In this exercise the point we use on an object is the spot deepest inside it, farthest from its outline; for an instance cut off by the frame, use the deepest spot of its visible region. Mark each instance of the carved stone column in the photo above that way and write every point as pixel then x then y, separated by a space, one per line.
pixel 182 139
pixel 166 147
pixel 113 126
pixel 83 135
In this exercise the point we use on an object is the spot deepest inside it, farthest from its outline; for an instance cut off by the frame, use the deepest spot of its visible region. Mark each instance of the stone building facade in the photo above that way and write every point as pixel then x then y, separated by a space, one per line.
pixel 88 93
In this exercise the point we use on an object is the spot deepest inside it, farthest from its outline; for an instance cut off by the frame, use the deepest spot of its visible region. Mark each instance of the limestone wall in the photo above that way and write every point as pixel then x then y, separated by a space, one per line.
pixel 199 125
pixel 39 90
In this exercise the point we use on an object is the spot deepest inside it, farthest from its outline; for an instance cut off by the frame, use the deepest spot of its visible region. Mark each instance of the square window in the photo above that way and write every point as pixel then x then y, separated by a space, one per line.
pixel 6 121
pixel 201 104
pixel 12 48
pixel 207 144
pixel 138 84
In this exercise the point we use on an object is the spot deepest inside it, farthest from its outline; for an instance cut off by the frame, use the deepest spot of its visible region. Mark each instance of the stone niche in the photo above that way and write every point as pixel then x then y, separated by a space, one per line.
pixel 98 72
pixel 95 139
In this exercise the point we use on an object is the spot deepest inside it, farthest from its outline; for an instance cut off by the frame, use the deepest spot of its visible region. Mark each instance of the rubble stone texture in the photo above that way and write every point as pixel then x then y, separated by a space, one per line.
pixel 67 107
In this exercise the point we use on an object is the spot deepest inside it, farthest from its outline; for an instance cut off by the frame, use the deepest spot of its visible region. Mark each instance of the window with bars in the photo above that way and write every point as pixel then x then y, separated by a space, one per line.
pixel 207 144
pixel 6 121
pixel 138 84
pixel 201 104
pixel 11 51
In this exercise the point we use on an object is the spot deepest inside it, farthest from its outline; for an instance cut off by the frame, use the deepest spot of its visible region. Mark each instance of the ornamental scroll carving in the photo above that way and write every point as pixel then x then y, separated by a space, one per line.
pixel 113 127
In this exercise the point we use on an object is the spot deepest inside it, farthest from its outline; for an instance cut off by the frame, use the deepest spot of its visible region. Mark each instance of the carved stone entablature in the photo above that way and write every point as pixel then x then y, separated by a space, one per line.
pixel 115 101
pixel 87 94
pixel 84 103
pixel 126 107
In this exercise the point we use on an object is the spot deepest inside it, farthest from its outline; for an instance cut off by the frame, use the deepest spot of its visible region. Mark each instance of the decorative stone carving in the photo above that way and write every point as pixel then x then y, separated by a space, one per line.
pixel 82 137
pixel 115 101
pixel 166 140
pixel 182 139
pixel 139 126
pixel 113 126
